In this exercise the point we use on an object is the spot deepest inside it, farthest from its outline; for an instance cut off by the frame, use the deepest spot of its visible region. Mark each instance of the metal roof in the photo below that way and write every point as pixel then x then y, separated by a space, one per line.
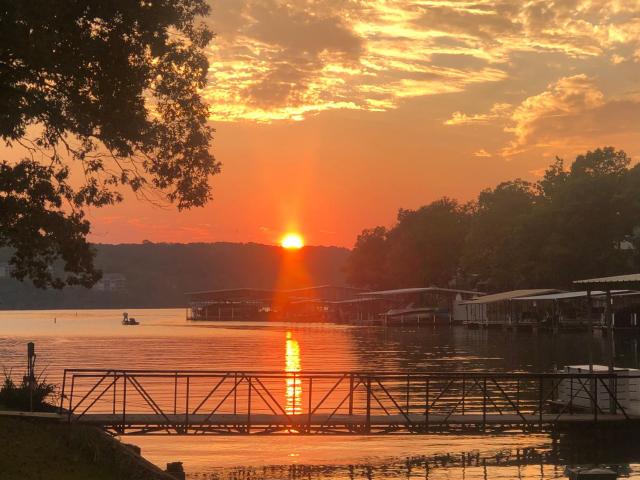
pixel 510 295
pixel 633 277
pixel 410 311
pixel 233 290
pixel 353 300
pixel 403 291
pixel 265 290
pixel 321 287
pixel 567 295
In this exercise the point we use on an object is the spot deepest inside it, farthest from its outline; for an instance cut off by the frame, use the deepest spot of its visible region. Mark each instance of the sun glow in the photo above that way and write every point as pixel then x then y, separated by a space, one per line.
pixel 292 240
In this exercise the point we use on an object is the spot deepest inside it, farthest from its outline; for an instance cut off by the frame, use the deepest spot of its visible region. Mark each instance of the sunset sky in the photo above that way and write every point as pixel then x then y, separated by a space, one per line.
pixel 332 114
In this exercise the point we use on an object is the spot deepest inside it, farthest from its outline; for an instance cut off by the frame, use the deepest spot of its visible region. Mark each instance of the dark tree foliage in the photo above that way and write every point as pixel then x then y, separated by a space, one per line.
pixel 368 260
pixel 107 92
pixel 573 223
pixel 423 248
pixel 496 248
pixel 425 245
pixel 580 228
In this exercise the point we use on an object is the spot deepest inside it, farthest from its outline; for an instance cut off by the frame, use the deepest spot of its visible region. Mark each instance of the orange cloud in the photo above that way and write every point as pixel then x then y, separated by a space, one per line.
pixel 571 109
pixel 277 60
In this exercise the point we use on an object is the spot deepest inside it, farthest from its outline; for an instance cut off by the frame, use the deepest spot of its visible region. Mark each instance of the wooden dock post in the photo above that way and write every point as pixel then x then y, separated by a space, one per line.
pixel 368 417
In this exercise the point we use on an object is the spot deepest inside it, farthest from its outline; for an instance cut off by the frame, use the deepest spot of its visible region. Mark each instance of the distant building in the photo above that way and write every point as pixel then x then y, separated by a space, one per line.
pixel 626 245
pixel 111 282
pixel 4 270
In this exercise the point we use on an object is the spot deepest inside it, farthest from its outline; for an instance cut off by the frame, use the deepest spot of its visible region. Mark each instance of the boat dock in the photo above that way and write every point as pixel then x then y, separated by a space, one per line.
pixel 233 402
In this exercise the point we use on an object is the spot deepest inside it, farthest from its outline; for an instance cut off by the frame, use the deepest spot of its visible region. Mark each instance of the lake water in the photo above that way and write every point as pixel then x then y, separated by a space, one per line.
pixel 165 340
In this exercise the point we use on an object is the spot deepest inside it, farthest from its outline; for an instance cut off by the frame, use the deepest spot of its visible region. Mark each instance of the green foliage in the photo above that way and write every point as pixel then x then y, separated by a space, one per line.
pixel 571 224
pixel 19 397
pixel 112 88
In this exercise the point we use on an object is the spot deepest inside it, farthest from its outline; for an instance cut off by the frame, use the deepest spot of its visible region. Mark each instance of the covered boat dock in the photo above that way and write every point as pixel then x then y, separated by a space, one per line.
pixel 244 304
pixel 501 309
pixel 423 305
pixel 620 310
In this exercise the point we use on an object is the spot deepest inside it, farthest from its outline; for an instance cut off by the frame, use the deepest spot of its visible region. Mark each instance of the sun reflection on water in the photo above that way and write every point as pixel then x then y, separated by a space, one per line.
pixel 293 383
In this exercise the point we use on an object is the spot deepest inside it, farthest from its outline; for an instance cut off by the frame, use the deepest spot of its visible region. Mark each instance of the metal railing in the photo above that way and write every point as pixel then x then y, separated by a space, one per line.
pixel 208 402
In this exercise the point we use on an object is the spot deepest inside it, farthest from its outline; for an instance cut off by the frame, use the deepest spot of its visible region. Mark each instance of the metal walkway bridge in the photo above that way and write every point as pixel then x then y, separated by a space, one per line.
pixel 224 402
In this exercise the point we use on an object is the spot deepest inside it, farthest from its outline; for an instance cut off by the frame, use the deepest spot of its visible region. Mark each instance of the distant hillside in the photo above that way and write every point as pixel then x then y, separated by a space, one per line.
pixel 158 274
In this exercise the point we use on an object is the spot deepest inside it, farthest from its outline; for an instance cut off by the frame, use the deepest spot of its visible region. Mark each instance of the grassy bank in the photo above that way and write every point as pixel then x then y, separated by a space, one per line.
pixel 45 450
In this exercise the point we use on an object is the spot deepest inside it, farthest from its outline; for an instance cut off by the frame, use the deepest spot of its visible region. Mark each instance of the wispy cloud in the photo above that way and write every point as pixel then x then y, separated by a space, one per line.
pixel 482 153
pixel 499 110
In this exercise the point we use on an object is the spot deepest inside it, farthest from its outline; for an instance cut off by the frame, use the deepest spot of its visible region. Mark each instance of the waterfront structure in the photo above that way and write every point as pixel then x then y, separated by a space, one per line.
pixel 422 305
pixel 359 310
pixel 500 309
pixel 554 309
pixel 309 303
pixel 630 308
pixel 570 310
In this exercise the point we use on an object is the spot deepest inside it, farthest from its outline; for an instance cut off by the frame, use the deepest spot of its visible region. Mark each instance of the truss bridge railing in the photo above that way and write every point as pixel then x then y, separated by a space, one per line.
pixel 227 402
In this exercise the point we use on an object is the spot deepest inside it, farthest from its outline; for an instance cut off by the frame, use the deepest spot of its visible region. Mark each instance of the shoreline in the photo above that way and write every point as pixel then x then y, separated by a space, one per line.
pixel 43 447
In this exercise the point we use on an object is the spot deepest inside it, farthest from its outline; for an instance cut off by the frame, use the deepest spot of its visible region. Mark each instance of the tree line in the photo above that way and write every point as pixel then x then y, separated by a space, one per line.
pixel 158 274
pixel 577 221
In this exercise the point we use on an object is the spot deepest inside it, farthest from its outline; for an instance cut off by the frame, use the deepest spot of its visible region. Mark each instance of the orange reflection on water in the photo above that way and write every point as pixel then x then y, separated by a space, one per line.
pixel 293 383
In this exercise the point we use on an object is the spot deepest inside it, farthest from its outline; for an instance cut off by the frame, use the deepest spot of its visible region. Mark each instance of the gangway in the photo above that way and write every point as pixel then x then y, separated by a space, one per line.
pixel 243 402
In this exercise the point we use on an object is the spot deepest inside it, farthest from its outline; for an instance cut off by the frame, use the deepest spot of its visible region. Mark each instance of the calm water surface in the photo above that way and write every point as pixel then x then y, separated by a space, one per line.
pixel 95 338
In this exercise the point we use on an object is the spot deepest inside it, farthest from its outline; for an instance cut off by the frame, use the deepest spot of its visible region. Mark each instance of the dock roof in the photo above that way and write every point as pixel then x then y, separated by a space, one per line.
pixel 632 279
pixel 397 312
pixel 510 295
pixel 569 295
pixel 237 294
pixel 321 292
pixel 404 291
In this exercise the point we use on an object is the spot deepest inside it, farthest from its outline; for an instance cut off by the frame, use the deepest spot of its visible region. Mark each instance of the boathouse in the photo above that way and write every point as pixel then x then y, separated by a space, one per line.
pixel 502 309
pixel 262 304
pixel 555 309
pixel 570 310
pixel 422 305
pixel 621 310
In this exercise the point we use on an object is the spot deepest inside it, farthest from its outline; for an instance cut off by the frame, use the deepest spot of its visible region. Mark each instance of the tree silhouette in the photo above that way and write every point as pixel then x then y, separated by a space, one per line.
pixel 102 95
pixel 576 222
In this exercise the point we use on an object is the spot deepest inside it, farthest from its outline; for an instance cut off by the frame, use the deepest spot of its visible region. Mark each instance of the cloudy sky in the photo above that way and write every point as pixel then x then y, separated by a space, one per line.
pixel 332 114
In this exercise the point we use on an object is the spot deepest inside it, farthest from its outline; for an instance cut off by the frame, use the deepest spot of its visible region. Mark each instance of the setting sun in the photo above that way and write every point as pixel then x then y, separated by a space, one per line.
pixel 292 240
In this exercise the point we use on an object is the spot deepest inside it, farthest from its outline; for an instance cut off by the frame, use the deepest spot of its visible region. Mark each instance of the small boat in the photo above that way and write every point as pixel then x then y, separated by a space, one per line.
pixel 129 321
